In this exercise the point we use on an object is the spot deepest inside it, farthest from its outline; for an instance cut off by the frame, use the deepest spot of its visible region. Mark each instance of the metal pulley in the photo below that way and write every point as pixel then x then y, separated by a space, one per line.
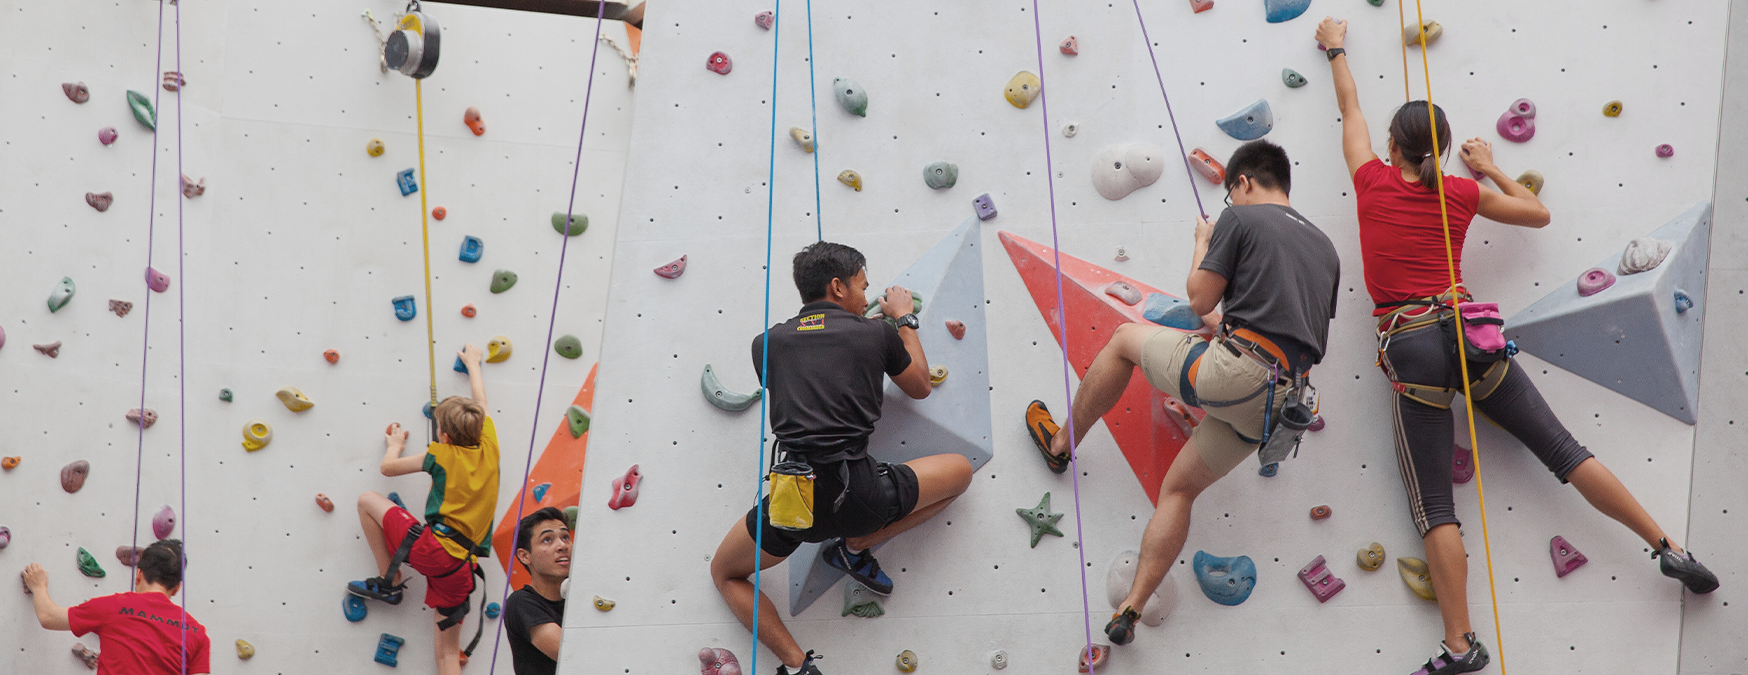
pixel 412 48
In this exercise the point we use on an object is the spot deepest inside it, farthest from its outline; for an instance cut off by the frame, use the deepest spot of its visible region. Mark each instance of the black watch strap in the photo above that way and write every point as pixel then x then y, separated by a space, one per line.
pixel 1332 53
pixel 910 321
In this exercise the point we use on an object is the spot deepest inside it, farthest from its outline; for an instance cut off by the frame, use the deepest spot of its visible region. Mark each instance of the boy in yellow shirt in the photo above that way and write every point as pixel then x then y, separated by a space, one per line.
pixel 464 493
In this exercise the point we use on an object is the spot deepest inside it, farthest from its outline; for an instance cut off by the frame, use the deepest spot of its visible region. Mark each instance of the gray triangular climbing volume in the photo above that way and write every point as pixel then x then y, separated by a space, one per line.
pixel 1633 336
pixel 955 417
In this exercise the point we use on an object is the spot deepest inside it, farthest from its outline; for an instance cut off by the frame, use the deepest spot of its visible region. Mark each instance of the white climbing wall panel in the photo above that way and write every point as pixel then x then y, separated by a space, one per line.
pixel 967 582
pixel 297 246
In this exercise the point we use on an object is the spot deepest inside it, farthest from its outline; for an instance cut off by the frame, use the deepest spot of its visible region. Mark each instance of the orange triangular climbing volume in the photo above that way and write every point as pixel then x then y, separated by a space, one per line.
pixel 560 464
pixel 1139 422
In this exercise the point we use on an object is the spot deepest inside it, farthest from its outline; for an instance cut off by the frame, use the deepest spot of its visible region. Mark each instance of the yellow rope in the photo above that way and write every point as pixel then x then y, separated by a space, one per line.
pixel 425 234
pixel 1451 264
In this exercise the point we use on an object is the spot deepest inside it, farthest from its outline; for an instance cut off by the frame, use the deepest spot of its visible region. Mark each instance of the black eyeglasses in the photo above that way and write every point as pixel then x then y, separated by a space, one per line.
pixel 1235 183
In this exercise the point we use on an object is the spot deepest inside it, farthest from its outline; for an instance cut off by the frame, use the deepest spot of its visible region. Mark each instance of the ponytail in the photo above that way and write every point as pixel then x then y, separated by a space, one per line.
pixel 1413 137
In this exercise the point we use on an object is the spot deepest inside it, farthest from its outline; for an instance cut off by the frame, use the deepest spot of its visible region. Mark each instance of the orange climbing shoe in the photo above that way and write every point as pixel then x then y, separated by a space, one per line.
pixel 1042 429
pixel 1121 629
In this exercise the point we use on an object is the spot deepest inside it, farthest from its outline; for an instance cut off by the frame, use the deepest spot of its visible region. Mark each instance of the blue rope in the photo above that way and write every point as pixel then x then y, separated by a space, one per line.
pixel 813 98
pixel 765 341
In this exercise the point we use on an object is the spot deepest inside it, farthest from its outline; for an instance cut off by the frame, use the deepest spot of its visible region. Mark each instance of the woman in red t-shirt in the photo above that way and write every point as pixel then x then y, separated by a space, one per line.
pixel 1402 242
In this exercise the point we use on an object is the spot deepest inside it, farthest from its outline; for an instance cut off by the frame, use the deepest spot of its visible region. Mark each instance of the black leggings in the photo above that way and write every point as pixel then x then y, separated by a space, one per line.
pixel 1424 433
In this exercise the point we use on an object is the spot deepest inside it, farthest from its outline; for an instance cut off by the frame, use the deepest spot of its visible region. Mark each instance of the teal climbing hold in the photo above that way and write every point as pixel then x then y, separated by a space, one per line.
pixel 578 224
pixel 578 419
pixel 1171 312
pixel 407 182
pixel 1285 10
pixel 225 395
pixel 141 106
pixel 471 248
pixel 396 498
pixel 62 294
pixel 721 396
pixel 851 96
pixel 941 175
pixel 568 346
pixel 459 366
pixel 539 491
pixel 1250 123
pixel 1041 520
pixel 1292 78
pixel 405 308
pixel 354 608
pixel 428 410
pixel 388 648
pixel 493 610
pixel 1227 581
pixel 502 280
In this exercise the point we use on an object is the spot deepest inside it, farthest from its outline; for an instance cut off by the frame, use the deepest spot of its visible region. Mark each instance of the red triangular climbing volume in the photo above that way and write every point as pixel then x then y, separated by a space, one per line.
pixel 560 464
pixel 1140 422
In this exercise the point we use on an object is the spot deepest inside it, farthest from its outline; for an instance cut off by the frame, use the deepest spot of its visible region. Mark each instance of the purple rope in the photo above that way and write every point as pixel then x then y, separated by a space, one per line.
pixel 181 351
pixel 551 325
pixel 1062 328
pixel 146 333
pixel 1189 174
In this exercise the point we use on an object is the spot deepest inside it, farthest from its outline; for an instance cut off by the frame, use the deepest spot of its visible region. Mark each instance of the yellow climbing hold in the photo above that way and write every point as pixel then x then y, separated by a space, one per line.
pixel 1531 179
pixel 1612 109
pixel 256 434
pixel 1417 576
pixel 851 179
pixel 907 661
pixel 498 349
pixel 1371 557
pixel 294 400
pixel 244 649
pixel 1023 89
pixel 604 604
pixel 802 138
pixel 374 147
pixel 937 375
pixel 1411 36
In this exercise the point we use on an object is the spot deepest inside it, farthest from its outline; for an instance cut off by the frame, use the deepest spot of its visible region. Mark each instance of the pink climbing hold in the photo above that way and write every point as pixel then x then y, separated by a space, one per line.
pixel 157 281
pixel 672 270
pixel 128 555
pixel 719 64
pixel 765 19
pixel 1071 46
pixel 76 91
pixel 1201 5
pixel 1323 583
pixel 106 135
pixel 145 417
pixel 1665 151
pixel 164 522
pixel 52 349
pixel 1518 123
pixel 718 661
pixel 1316 424
pixel 625 489
pixel 1121 290
pixel 1180 415
pixel 84 653
pixel 120 307
pixel 1593 281
pixel 1566 556
pixel 192 188
pixel 957 328
pixel 74 474
pixel 99 200
pixel 173 81
pixel 1462 468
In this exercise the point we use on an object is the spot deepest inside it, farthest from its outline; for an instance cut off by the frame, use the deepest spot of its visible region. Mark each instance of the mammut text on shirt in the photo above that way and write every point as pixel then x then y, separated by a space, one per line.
pixel 826 380
pixel 523 612
pixel 464 489
pixel 142 633
pixel 1282 273
pixel 1402 239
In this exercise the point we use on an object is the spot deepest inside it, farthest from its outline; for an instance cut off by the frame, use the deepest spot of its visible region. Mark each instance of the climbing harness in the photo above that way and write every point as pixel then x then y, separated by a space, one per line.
pixel 451 615
pixel 1455 290
pixel 1408 316
pixel 552 320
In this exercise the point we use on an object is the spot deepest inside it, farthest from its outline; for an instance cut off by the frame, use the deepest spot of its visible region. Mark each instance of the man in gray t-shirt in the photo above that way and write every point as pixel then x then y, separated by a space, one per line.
pixel 1277 275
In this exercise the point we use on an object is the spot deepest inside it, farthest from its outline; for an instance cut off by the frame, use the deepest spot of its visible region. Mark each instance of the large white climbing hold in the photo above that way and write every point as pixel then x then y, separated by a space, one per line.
pixel 1120 578
pixel 1643 255
pixel 1250 123
pixel 1121 169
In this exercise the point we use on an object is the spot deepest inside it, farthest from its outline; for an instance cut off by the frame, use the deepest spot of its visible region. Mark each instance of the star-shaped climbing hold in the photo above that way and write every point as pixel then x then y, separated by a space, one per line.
pixel 1041 519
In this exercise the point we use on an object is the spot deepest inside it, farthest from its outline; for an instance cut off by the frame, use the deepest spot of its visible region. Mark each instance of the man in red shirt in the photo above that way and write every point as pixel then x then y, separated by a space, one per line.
pixel 143 632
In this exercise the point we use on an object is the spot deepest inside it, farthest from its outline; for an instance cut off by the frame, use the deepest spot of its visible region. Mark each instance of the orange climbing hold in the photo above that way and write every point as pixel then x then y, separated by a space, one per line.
pixel 468 311
pixel 439 213
pixel 10 463
pixel 471 118
pixel 1201 5
pixel 332 356
pixel 323 501
pixel 1209 167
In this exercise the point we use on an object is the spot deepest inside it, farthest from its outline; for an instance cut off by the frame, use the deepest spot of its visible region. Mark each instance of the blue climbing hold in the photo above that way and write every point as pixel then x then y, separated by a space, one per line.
pixel 387 648
pixel 1227 581
pixel 493 610
pixel 428 406
pixel 1285 10
pixel 1682 302
pixel 1510 348
pixel 396 498
pixel 1251 123
pixel 540 491
pixel 354 608
pixel 407 182
pixel 1269 470
pixel 459 367
pixel 1171 312
pixel 471 247
pixel 406 308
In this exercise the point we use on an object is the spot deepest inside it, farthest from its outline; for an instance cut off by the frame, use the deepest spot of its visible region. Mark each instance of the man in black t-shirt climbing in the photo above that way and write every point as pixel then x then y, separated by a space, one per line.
pixel 534 614
pixel 1277 275
pixel 828 366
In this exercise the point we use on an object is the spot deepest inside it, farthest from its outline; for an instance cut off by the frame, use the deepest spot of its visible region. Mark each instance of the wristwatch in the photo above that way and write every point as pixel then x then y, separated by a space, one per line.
pixel 1332 53
pixel 909 321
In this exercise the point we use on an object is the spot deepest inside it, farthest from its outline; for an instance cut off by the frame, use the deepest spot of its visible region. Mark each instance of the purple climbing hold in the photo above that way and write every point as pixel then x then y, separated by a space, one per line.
pixel 1462 468
pixel 5 536
pixel 157 281
pixel 1320 580
pixel 1121 290
pixel 106 135
pixel 76 91
pixel 718 661
pixel 1593 281
pixel 985 206
pixel 99 200
pixel 1316 424
pixel 1665 151
pixel 1518 124
pixel 164 522
pixel 1566 556
pixel 765 19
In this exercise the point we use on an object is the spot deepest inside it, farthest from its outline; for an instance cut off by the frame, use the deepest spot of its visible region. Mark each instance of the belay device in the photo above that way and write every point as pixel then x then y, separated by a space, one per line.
pixel 412 48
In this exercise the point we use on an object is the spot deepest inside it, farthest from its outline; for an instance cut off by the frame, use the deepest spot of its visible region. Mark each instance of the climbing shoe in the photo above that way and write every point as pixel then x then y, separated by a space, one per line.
pixel 807 667
pixel 1042 429
pixel 1121 629
pixel 860 566
pixel 1682 567
pixel 376 588
pixel 1446 663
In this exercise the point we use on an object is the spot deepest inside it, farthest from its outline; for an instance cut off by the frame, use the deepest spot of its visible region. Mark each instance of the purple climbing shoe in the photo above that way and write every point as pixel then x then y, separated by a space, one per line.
pixel 1446 663
pixel 1682 567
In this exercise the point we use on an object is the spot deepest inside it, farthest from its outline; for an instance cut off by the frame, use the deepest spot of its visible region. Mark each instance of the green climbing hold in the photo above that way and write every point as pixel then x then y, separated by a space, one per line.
pixel 916 305
pixel 1292 78
pixel 721 396
pixel 570 518
pixel 578 419
pixel 1376 3
pixel 861 601
pixel 578 224
pixel 941 175
pixel 1041 519
pixel 63 293
pixel 225 394
pixel 851 96
pixel 568 346
pixel 88 565
pixel 142 108
pixel 502 280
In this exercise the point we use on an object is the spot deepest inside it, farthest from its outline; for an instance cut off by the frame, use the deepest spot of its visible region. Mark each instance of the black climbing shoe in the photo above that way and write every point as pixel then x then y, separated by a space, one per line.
pixel 860 566
pixel 807 667
pixel 1042 429
pixel 376 588
pixel 1121 629
pixel 1445 663
pixel 1682 567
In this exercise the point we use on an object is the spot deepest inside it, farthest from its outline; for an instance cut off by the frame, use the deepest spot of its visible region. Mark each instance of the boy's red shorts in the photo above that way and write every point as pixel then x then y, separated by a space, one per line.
pixel 448 581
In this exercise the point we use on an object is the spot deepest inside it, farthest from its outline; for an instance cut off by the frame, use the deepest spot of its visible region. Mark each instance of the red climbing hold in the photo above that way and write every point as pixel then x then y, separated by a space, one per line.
pixel 145 417
pixel 73 475
pixel 468 311
pixel 625 489
pixel 472 120
pixel 1316 424
pixel 323 501
pixel 1070 46
pixel 672 270
pixel 53 349
pixel 765 19
pixel 99 200
pixel 719 64
pixel 76 91
pixel 192 188
pixel 439 213
pixel 1209 167
pixel 957 328
pixel 332 356
pixel 1566 556
pixel 1201 5
pixel 1320 512
pixel 120 307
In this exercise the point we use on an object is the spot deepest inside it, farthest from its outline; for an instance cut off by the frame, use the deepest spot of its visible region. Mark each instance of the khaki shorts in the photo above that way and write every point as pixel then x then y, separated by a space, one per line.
pixel 1229 433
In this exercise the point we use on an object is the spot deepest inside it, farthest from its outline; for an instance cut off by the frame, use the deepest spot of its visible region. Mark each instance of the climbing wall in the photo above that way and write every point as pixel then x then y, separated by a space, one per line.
pixel 298 245
pixel 968 583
